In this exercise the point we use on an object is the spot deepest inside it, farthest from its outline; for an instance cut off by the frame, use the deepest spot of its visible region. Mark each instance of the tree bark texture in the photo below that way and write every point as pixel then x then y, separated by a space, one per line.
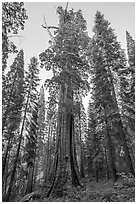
pixel 110 152
pixel 30 182
pixel 81 150
pixel 119 125
pixel 65 169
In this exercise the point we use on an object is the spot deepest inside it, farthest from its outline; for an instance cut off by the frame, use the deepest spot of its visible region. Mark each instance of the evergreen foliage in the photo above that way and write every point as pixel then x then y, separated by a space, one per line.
pixel 13 18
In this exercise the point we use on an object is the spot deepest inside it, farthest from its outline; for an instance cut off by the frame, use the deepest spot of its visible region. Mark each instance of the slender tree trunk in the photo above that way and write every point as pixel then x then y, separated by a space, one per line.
pixel 49 161
pixel 47 155
pixel 36 166
pixel 13 172
pixel 5 157
pixel 107 167
pixel 5 177
pixel 81 151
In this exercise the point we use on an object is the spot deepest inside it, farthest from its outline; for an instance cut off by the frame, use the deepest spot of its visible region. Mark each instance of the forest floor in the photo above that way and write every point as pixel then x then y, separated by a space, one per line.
pixel 102 191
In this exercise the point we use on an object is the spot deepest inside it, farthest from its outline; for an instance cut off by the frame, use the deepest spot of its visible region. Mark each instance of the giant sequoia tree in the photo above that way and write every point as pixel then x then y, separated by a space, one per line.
pixel 67 59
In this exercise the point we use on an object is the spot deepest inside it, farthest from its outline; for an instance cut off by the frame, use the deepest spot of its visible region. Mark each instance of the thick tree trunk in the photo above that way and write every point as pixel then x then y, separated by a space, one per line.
pixel 125 148
pixel 110 151
pixel 29 188
pixel 75 179
pixel 64 162
pixel 120 129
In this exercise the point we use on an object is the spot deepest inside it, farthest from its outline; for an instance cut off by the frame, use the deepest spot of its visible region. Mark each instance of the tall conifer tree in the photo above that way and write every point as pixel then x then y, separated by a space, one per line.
pixel 13 99
pixel 32 81
pixel 106 58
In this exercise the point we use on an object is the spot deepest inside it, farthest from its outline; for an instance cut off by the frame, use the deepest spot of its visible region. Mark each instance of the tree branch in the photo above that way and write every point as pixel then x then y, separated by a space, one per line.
pixel 50 27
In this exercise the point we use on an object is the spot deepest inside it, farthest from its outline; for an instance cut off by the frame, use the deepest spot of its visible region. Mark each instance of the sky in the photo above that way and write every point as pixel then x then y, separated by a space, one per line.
pixel 34 38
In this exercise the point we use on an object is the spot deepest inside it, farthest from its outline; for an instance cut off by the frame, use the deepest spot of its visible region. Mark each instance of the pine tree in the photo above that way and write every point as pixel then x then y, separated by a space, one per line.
pixel 130 71
pixel 107 58
pixel 32 81
pixel 12 106
pixel 13 78
pixel 127 88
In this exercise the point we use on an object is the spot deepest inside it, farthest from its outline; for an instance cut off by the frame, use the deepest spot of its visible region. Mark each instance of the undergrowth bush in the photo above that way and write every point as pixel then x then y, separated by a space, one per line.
pixel 127 179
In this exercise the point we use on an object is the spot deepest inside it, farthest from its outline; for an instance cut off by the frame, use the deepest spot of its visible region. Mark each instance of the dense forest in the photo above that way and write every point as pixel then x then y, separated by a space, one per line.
pixel 52 149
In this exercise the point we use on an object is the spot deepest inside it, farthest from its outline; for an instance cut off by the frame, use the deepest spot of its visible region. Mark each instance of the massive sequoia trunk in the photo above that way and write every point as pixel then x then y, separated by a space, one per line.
pixel 65 164
pixel 74 174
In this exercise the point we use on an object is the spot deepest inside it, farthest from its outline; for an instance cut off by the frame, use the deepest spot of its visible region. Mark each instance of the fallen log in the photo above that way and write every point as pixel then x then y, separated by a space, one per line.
pixel 31 196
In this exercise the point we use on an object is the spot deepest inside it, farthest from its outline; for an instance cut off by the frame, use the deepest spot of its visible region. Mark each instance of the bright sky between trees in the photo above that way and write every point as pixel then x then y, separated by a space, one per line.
pixel 35 38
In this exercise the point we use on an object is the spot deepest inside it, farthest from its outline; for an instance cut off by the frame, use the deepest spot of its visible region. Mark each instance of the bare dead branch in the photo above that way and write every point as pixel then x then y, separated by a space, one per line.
pixel 67 6
pixel 13 36
pixel 48 30
pixel 50 27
